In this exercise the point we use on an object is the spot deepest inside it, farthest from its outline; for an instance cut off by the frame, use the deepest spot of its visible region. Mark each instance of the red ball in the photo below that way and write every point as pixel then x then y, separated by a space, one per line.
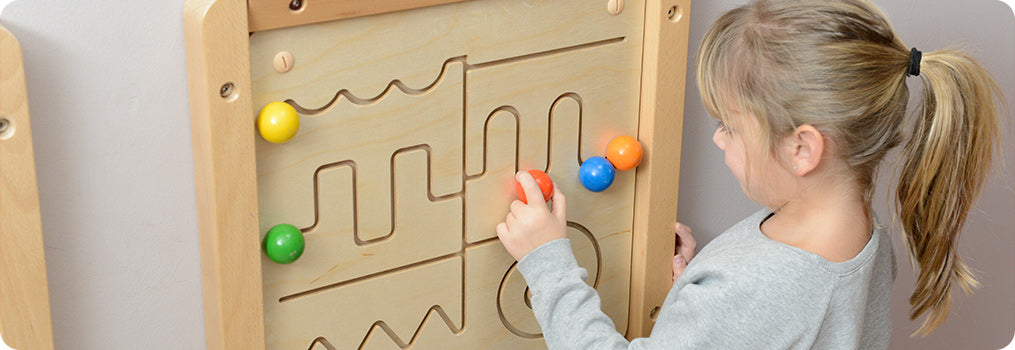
pixel 624 152
pixel 544 182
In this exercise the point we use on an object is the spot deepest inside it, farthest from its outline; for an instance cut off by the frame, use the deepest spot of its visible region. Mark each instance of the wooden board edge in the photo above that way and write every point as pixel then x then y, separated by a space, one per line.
pixel 664 71
pixel 26 322
pixel 222 128
pixel 274 14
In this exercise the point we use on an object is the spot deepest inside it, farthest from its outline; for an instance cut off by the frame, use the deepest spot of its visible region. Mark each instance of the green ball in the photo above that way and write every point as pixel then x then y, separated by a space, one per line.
pixel 284 243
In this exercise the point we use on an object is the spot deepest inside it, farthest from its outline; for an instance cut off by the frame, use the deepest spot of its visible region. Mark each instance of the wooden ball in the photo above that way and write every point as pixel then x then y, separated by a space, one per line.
pixel 544 182
pixel 624 152
pixel 278 122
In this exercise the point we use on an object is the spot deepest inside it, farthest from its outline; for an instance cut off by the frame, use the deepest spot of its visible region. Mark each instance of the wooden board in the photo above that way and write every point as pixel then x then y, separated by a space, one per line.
pixel 412 125
pixel 274 14
pixel 24 293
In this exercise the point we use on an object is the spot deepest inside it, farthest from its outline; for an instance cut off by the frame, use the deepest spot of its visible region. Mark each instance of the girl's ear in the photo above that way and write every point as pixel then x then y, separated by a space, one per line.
pixel 807 145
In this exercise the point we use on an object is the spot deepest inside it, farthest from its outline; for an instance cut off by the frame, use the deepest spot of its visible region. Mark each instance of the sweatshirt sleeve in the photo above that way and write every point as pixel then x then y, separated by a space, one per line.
pixel 743 306
pixel 568 309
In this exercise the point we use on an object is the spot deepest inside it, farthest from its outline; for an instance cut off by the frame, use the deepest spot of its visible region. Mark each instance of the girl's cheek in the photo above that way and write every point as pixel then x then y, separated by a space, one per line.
pixel 717 139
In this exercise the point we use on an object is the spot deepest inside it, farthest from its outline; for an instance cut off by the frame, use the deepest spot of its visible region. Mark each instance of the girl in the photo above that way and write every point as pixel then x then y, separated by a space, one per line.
pixel 810 95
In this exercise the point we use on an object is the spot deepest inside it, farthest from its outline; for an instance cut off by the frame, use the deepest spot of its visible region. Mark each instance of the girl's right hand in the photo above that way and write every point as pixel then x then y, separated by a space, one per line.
pixel 684 250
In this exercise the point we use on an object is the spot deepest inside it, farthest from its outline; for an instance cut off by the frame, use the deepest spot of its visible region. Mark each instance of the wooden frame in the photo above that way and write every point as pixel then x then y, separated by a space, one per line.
pixel 218 63
pixel 273 14
pixel 24 291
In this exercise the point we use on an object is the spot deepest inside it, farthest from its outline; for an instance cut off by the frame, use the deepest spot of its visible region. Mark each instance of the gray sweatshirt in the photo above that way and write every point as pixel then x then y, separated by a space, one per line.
pixel 742 291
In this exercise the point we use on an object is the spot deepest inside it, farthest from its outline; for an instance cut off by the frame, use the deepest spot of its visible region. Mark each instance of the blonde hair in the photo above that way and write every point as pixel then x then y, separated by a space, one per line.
pixel 838 66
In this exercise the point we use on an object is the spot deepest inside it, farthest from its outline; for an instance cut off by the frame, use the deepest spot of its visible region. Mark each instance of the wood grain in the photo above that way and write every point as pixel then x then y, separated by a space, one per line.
pixel 24 294
pixel 274 14
pixel 222 129
pixel 662 112
pixel 379 173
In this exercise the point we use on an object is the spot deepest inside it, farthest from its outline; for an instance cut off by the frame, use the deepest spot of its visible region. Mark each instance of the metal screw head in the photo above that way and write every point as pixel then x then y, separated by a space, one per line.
pixel 296 5
pixel 6 128
pixel 675 13
pixel 226 90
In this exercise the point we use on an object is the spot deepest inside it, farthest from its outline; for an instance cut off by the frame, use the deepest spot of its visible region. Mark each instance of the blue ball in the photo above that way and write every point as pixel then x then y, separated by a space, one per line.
pixel 596 174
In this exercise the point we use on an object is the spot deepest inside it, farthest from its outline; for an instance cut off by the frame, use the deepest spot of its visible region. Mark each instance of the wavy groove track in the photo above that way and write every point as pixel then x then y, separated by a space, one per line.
pixel 397 83
pixel 373 100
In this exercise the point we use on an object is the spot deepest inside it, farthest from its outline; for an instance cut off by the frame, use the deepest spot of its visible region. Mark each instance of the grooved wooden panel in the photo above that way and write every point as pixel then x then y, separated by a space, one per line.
pixel 412 126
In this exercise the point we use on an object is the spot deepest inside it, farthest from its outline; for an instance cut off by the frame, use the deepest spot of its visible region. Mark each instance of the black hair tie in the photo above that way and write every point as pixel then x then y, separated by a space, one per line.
pixel 914 62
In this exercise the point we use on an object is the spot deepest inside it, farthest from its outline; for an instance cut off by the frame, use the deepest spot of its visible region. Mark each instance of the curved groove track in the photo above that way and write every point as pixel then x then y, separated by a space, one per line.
pixel 361 101
pixel 507 282
pixel 550 127
pixel 506 110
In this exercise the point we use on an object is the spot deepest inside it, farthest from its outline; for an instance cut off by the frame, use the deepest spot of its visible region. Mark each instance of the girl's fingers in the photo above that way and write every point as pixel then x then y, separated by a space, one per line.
pixel 532 191
pixel 686 245
pixel 509 221
pixel 516 206
pixel 502 230
pixel 679 263
pixel 559 204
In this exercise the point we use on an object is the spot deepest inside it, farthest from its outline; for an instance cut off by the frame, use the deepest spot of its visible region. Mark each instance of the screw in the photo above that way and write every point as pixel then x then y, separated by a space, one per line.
pixel 4 123
pixel 226 90
pixel 296 5
pixel 675 13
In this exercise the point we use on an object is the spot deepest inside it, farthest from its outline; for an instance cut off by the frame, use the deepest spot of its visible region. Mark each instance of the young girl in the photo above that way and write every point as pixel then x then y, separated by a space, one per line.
pixel 810 95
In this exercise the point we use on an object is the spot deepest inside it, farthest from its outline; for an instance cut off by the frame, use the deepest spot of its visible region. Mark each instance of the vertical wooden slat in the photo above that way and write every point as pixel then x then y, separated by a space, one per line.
pixel 217 44
pixel 24 292
pixel 664 62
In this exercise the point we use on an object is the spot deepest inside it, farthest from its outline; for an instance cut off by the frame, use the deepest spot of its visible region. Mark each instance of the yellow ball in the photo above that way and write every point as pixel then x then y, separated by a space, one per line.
pixel 278 122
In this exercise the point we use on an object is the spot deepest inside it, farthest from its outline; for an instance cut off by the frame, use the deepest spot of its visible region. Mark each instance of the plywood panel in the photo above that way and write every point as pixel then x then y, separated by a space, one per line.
pixel 366 136
pixel 332 254
pixel 413 125
pixel 332 56
pixel 377 181
pixel 349 315
pixel 567 107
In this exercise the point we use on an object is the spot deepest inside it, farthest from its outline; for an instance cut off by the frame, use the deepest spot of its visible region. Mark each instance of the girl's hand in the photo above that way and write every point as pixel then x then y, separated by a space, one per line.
pixel 529 226
pixel 684 250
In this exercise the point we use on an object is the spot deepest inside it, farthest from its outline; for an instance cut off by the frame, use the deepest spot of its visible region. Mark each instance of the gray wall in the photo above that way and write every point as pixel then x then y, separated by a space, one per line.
pixel 107 89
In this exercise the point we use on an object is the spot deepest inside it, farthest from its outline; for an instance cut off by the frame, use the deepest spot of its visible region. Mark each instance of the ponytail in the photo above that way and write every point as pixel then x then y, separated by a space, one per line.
pixel 948 157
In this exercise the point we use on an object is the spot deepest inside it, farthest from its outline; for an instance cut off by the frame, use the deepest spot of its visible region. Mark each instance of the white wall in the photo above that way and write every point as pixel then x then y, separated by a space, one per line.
pixel 108 100
pixel 107 92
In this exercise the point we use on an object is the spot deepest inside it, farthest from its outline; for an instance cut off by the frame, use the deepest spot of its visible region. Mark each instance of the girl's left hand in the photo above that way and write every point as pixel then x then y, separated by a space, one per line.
pixel 531 225
pixel 684 250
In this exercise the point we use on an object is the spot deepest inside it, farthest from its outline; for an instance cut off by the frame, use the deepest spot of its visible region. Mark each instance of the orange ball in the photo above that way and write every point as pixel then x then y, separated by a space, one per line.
pixel 624 152
pixel 544 182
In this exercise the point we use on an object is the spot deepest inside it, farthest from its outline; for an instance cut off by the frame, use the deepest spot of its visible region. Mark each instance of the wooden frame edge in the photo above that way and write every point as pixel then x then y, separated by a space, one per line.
pixel 222 128
pixel 274 14
pixel 664 71
pixel 24 290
